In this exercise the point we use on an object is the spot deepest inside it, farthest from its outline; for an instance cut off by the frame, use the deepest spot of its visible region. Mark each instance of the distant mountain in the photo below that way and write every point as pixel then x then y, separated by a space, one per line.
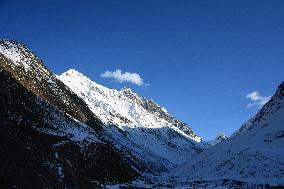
pixel 254 154
pixel 69 132
pixel 220 138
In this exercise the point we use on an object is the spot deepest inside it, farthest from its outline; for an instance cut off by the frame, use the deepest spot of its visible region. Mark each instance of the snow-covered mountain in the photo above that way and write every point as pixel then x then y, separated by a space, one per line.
pixel 220 138
pixel 137 126
pixel 254 154
pixel 68 131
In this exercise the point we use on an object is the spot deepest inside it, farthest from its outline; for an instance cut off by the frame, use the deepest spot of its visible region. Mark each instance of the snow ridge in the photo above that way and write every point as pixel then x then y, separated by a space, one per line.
pixel 136 123
pixel 24 61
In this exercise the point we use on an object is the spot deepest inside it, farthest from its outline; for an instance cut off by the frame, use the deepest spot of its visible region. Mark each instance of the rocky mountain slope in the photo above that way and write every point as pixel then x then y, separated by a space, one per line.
pixel 255 154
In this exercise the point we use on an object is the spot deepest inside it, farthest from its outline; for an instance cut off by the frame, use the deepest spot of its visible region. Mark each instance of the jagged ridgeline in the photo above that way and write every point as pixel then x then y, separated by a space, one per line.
pixel 137 126
pixel 67 131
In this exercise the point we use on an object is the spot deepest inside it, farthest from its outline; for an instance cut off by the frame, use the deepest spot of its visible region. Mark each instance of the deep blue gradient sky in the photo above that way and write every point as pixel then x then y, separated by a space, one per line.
pixel 200 57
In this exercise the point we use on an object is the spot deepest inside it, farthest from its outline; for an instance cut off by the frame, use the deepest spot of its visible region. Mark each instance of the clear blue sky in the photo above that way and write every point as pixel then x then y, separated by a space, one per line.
pixel 201 58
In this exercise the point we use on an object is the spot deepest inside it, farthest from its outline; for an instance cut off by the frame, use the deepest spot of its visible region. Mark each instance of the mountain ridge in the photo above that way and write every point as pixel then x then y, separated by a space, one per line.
pixel 96 139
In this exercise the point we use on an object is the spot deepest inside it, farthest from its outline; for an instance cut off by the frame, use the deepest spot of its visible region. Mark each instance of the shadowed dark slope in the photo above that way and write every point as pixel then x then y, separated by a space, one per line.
pixel 40 146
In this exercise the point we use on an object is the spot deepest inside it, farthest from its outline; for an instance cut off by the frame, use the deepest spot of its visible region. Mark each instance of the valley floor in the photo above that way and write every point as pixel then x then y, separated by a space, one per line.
pixel 183 183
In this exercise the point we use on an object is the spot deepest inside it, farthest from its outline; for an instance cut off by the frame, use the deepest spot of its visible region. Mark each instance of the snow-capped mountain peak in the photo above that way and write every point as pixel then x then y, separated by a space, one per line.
pixel 124 102
pixel 219 138
pixel 140 125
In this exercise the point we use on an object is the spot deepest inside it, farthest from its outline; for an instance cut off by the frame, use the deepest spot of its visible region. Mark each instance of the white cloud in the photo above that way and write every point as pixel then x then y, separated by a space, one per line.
pixel 117 75
pixel 256 99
